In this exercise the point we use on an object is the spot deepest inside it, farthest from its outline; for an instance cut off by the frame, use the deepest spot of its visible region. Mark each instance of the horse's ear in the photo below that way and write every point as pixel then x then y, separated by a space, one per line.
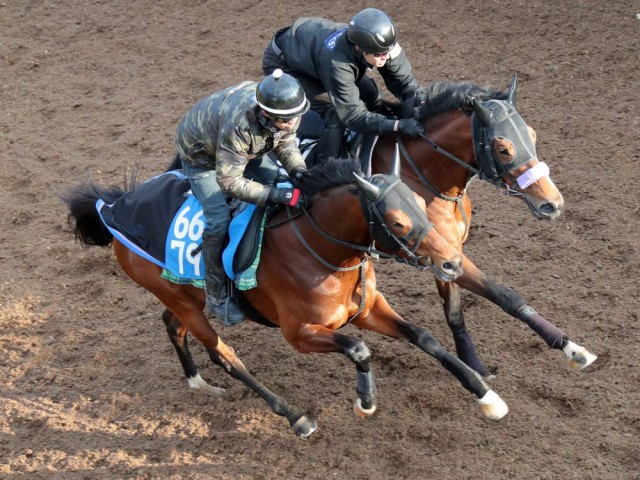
pixel 483 113
pixel 395 163
pixel 370 190
pixel 511 96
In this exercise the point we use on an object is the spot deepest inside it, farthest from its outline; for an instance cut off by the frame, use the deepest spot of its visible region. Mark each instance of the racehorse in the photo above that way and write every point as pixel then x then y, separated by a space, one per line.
pixel 477 132
pixel 314 276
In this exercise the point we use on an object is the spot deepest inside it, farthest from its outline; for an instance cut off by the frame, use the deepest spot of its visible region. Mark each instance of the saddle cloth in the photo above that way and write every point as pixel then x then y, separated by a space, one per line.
pixel 162 221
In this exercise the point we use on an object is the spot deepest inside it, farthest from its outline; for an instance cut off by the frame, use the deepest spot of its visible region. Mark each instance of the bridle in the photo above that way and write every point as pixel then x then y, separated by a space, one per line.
pixel 374 200
pixel 491 119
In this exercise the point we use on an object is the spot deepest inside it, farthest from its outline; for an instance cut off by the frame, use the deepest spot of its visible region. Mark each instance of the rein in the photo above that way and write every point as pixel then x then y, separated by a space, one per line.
pixel 315 255
pixel 375 219
pixel 370 250
pixel 483 148
pixel 429 186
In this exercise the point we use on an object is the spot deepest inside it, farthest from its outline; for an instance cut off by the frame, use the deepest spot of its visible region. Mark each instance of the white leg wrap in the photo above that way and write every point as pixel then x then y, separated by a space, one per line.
pixel 362 412
pixel 579 357
pixel 198 383
pixel 493 406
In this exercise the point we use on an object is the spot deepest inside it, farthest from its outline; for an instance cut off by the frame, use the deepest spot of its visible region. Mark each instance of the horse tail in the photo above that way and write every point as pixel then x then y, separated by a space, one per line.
pixel 83 217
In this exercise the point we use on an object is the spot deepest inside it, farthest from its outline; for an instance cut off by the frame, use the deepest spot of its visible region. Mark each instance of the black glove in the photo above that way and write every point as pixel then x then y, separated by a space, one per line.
pixel 410 127
pixel 286 196
pixel 297 175
pixel 419 99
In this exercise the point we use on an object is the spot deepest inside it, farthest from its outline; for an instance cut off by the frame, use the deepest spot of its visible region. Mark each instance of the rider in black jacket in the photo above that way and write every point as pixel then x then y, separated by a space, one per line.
pixel 331 59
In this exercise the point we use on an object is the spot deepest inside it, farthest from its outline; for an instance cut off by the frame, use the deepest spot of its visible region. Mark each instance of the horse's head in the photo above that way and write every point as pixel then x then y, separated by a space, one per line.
pixel 505 151
pixel 399 224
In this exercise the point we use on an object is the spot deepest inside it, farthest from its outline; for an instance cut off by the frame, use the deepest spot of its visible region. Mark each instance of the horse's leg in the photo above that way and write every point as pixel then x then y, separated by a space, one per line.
pixel 178 337
pixel 384 320
pixel 193 319
pixel 225 357
pixel 474 280
pixel 313 338
pixel 450 294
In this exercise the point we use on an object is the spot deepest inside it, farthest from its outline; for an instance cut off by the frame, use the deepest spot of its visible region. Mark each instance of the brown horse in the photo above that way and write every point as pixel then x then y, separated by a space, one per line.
pixel 476 132
pixel 314 277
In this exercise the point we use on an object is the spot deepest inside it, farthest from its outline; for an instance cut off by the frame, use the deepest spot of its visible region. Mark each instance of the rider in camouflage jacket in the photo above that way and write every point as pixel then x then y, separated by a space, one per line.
pixel 223 132
pixel 215 141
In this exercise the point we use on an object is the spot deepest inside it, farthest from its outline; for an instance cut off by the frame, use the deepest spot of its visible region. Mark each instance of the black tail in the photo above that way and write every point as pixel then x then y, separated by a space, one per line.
pixel 83 217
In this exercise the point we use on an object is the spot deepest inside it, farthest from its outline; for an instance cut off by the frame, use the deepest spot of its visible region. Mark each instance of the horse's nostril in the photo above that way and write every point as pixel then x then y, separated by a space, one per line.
pixel 548 208
pixel 449 267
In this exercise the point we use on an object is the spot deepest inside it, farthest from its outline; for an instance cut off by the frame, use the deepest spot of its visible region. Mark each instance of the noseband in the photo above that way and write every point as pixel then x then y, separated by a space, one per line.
pixel 505 122
pixel 374 211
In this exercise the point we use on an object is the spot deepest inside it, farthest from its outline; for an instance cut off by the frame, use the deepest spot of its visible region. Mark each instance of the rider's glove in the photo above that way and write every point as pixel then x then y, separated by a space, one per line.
pixel 410 127
pixel 286 196
pixel 297 174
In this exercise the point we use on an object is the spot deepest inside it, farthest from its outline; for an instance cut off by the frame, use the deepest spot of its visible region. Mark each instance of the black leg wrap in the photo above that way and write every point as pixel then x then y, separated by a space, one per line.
pixel 552 335
pixel 467 353
pixel 366 388
pixel 470 379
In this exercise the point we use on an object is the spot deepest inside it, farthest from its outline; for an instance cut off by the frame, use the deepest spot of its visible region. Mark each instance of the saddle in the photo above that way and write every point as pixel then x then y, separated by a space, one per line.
pixel 161 221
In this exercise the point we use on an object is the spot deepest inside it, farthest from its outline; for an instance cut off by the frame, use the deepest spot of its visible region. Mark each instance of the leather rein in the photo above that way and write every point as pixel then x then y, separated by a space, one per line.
pixel 374 219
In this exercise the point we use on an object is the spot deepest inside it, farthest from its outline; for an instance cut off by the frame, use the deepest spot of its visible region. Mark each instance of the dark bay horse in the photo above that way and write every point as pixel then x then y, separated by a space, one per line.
pixel 314 277
pixel 477 132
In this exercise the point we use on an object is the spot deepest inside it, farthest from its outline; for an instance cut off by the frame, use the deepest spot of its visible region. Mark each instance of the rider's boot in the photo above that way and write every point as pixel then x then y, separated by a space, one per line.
pixel 330 142
pixel 218 287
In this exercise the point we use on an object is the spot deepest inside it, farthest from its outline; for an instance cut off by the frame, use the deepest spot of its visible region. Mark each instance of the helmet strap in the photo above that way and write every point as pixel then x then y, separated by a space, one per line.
pixel 266 121
pixel 360 54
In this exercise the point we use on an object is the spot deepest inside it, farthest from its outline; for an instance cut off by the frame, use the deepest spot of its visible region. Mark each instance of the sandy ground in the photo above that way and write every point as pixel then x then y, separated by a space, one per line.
pixel 91 387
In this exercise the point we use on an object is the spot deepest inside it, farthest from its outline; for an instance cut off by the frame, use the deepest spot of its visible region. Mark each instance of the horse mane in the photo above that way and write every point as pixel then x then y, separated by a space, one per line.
pixel 447 96
pixel 331 173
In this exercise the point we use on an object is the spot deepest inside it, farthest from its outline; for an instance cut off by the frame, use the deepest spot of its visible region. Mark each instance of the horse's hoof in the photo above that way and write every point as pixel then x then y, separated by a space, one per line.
pixel 493 406
pixel 579 357
pixel 491 373
pixel 362 412
pixel 198 383
pixel 304 426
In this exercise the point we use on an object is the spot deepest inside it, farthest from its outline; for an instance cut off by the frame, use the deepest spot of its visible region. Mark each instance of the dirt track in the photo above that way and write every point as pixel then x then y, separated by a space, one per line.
pixel 91 387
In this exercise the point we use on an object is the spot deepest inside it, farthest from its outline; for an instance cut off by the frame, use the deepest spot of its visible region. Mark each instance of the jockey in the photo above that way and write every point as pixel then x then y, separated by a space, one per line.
pixel 215 140
pixel 330 61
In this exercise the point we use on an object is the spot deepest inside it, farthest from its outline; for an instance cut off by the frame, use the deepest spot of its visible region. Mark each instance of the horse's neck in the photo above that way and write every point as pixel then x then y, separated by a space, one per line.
pixel 451 132
pixel 338 214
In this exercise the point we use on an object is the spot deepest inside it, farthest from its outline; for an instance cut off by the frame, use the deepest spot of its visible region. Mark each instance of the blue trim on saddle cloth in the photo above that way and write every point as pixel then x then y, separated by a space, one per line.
pixel 140 218
pixel 247 279
pixel 162 222
pixel 237 227
pixel 124 240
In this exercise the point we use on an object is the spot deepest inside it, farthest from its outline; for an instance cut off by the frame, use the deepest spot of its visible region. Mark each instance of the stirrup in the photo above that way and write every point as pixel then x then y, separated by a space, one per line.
pixel 228 312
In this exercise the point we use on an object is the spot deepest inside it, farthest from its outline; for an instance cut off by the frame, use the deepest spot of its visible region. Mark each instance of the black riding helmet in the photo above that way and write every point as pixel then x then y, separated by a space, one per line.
pixel 281 96
pixel 372 30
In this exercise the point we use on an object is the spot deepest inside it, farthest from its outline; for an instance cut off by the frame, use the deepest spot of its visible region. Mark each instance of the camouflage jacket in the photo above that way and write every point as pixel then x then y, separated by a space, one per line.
pixel 222 132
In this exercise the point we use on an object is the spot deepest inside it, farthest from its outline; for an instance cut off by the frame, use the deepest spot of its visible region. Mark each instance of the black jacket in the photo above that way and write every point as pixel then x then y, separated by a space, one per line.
pixel 319 49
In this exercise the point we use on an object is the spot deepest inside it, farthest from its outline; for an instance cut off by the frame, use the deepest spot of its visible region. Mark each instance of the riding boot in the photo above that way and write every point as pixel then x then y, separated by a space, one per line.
pixel 330 142
pixel 217 285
